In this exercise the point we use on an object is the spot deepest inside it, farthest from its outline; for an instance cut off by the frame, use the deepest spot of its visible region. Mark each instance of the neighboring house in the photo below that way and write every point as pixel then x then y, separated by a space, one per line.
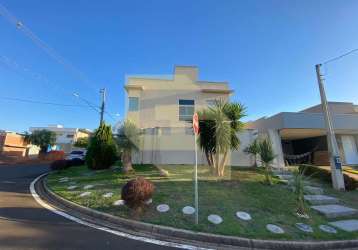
pixel 65 137
pixel 13 144
pixel 298 134
pixel 163 108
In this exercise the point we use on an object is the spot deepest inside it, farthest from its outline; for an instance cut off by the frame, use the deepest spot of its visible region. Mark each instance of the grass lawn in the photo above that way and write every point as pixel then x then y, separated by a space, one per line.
pixel 241 190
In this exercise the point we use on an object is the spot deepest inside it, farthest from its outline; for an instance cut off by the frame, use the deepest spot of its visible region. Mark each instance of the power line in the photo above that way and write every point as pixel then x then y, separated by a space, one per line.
pixel 341 56
pixel 41 102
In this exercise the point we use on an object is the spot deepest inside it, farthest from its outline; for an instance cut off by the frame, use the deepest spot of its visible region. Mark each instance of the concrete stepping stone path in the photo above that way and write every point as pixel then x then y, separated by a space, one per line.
pixel 243 215
pixel 328 229
pixel 148 202
pixel 119 203
pixel 319 199
pixel 64 179
pixel 188 210
pixel 107 195
pixel 313 190
pixel 88 186
pixel 334 211
pixel 71 187
pixel 274 229
pixel 346 225
pixel 85 194
pixel 304 227
pixel 215 219
pixel 163 208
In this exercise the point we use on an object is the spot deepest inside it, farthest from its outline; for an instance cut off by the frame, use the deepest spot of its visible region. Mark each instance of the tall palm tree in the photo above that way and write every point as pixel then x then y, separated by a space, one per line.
pixel 219 126
pixel 267 156
pixel 128 140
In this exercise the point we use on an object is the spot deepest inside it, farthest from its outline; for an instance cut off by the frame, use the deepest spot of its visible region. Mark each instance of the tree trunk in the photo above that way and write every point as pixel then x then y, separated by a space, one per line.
pixel 209 158
pixel 223 164
pixel 127 161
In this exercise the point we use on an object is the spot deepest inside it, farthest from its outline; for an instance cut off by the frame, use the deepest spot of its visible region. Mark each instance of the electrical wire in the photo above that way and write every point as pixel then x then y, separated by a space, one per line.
pixel 41 102
pixel 341 56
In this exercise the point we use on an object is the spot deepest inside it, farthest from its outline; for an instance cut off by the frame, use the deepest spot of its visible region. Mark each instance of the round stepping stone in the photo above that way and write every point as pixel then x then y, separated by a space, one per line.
pixel 328 229
pixel 274 229
pixel 64 179
pixel 150 201
pixel 163 208
pixel 188 210
pixel 72 183
pixel 88 186
pixel 304 227
pixel 119 203
pixel 243 215
pixel 215 219
pixel 85 194
pixel 107 195
pixel 72 187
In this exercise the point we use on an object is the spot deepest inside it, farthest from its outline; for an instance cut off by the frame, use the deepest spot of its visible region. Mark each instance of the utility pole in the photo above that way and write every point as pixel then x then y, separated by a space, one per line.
pixel 335 160
pixel 103 92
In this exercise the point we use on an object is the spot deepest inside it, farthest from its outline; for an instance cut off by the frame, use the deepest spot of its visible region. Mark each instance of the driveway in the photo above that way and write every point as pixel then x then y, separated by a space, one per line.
pixel 24 224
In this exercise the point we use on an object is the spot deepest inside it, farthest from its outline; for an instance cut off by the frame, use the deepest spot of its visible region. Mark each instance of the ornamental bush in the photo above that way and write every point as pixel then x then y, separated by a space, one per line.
pixel 59 165
pixel 101 151
pixel 137 192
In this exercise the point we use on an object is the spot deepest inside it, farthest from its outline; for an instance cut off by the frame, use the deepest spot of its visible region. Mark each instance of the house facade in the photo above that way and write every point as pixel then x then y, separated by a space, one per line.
pixel 301 136
pixel 14 145
pixel 65 137
pixel 163 108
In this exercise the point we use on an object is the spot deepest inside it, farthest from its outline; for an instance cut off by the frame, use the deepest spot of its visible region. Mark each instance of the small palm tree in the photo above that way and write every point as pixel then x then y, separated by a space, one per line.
pixel 267 156
pixel 128 140
pixel 253 149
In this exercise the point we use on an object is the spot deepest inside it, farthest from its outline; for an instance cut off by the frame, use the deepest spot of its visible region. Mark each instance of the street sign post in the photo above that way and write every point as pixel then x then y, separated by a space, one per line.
pixel 196 132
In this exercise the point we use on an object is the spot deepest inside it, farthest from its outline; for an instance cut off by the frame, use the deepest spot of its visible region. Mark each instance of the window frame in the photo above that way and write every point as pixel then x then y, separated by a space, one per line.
pixel 130 108
pixel 185 104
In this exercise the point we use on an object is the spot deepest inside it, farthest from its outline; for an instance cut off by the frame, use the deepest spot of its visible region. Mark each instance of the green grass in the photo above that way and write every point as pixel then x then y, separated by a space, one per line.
pixel 241 189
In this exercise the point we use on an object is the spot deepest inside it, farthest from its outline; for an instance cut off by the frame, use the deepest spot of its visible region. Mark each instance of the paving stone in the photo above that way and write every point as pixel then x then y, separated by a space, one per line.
pixel 107 195
pixel 274 229
pixel 71 187
pixel 150 201
pixel 334 211
pixel 215 219
pixel 346 225
pixel 88 186
pixel 328 229
pixel 243 215
pixel 304 227
pixel 85 194
pixel 188 210
pixel 319 199
pixel 313 190
pixel 163 208
pixel 119 203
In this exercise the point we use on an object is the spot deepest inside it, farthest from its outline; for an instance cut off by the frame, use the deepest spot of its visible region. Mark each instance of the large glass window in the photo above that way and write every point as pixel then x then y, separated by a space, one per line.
pixel 186 110
pixel 133 104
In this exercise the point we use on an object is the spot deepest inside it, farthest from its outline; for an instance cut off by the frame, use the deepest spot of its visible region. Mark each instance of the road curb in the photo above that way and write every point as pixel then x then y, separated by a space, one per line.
pixel 164 232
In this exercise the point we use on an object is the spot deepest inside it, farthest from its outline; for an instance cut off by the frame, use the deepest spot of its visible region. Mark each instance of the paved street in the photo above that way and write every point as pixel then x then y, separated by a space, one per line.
pixel 24 224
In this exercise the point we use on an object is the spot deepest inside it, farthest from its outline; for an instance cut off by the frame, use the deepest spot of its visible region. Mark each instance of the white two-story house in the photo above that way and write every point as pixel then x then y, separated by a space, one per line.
pixel 162 107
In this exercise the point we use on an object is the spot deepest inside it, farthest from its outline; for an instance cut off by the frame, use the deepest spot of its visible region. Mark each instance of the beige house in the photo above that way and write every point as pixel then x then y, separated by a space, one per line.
pixel 162 107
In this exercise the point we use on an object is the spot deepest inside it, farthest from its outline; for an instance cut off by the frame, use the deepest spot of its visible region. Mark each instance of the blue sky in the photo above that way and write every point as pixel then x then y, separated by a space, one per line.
pixel 265 49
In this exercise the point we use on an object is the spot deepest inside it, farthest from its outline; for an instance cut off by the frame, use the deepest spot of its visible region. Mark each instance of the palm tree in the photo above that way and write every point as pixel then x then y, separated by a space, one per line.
pixel 254 150
pixel 128 141
pixel 267 156
pixel 219 126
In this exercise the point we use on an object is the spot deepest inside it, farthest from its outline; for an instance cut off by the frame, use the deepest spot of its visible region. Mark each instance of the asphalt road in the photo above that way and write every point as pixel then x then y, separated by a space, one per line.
pixel 24 224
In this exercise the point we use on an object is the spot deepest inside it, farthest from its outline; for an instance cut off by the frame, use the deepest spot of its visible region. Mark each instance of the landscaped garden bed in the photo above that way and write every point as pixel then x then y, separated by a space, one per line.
pixel 242 189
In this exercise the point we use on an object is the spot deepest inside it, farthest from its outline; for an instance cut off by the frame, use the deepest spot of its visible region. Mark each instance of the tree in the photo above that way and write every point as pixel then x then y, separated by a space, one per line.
pixel 267 156
pixel 101 151
pixel 219 126
pixel 254 150
pixel 41 138
pixel 82 142
pixel 128 140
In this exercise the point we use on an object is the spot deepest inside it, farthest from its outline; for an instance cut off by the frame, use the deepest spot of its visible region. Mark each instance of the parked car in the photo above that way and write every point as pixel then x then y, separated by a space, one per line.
pixel 76 155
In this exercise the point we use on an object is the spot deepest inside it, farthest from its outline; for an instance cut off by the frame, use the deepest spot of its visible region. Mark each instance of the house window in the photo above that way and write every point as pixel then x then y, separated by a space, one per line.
pixel 133 104
pixel 69 136
pixel 186 110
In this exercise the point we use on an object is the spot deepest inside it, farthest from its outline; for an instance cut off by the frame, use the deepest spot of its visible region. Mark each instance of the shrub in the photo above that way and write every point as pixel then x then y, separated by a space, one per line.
pixel 136 192
pixel 325 175
pixel 102 151
pixel 75 162
pixel 59 165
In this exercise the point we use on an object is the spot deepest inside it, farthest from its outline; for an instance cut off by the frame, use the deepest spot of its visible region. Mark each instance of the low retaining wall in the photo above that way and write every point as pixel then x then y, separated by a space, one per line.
pixel 202 239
